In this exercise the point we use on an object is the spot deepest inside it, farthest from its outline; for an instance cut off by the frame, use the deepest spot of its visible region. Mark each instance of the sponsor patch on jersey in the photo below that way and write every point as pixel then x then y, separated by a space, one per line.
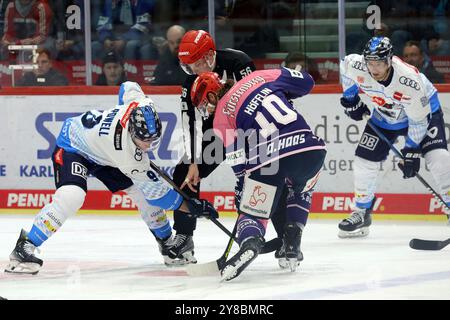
pixel 368 141
pixel 118 136
pixel 379 101
pixel 127 113
pixel 79 170
pixel 257 198
pixel 409 83
pixel 398 96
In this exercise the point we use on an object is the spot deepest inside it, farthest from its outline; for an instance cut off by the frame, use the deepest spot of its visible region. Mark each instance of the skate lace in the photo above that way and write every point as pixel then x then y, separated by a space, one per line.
pixel 29 248
pixel 179 240
pixel 356 217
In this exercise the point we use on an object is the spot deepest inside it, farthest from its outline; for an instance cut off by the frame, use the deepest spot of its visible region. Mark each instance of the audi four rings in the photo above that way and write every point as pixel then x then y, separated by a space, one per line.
pixel 409 82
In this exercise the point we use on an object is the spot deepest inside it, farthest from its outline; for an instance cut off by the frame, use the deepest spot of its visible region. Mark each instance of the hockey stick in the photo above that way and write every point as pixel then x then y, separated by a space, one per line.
pixel 420 244
pixel 214 267
pixel 187 198
pixel 417 244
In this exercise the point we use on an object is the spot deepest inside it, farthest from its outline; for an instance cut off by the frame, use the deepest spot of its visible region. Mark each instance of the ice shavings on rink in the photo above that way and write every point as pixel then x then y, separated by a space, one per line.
pixel 99 257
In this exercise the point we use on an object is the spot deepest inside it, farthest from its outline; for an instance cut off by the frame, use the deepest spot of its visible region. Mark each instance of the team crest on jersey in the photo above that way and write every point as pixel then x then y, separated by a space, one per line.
pixel 360 79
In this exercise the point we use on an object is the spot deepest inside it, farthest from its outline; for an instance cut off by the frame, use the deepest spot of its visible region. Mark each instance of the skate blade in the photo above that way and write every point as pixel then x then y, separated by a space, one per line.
pixel 187 258
pixel 358 233
pixel 288 263
pixel 22 267
pixel 232 271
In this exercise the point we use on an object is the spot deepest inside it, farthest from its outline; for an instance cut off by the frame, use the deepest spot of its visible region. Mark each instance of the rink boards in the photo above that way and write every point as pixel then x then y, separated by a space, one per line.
pixel 32 119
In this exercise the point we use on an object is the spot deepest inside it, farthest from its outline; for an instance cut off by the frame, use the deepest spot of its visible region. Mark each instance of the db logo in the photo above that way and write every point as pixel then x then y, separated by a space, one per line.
pixel 379 101
pixel 368 141
pixel 257 196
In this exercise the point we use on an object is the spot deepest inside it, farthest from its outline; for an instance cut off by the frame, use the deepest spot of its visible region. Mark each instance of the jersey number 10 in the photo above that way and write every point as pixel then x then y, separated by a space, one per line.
pixel 274 106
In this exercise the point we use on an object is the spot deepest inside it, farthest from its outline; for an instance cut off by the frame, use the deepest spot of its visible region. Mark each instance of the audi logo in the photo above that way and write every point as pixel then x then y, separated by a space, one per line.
pixel 409 83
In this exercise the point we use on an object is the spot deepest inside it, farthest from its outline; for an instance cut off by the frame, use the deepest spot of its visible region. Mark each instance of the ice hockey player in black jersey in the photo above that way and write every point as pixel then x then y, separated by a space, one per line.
pixel 197 54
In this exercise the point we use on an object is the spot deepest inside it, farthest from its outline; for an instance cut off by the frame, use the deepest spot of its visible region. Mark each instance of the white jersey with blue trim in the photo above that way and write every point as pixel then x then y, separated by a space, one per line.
pixel 406 101
pixel 103 138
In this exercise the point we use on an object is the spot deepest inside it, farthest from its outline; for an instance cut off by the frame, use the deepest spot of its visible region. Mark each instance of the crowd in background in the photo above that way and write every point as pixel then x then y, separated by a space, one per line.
pixel 129 30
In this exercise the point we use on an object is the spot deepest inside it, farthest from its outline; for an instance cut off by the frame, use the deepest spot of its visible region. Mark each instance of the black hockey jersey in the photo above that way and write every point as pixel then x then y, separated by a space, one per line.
pixel 230 64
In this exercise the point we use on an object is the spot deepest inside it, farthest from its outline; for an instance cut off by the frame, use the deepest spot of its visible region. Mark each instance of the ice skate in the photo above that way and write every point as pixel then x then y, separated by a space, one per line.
pixel 248 252
pixel 182 248
pixel 22 258
pixel 357 225
pixel 289 255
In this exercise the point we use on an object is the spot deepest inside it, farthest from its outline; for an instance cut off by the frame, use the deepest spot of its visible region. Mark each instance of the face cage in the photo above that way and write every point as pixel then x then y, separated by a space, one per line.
pixel 388 60
pixel 187 67
pixel 154 142
pixel 202 109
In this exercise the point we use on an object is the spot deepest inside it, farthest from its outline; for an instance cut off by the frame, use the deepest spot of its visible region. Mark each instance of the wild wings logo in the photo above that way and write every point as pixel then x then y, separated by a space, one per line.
pixel 257 196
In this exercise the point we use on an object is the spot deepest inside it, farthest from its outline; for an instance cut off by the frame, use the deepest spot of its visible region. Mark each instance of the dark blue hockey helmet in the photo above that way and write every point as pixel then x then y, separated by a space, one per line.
pixel 145 124
pixel 378 49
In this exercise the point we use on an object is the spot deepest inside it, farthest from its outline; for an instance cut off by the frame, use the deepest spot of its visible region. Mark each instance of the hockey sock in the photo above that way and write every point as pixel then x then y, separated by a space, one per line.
pixel 67 200
pixel 154 217
pixel 298 206
pixel 162 232
pixel 250 227
pixel 365 175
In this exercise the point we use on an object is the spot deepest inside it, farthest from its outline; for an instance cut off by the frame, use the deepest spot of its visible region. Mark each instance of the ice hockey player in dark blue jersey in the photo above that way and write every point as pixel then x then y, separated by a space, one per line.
pixel 271 149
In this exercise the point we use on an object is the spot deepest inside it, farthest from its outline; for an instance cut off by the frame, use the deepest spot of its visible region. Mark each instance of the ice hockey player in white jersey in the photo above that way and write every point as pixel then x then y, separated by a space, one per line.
pixel 112 146
pixel 404 103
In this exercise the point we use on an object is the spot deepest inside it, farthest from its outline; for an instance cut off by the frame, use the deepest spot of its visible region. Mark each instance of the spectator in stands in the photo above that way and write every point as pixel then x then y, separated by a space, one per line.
pixel 27 22
pixel 45 74
pixel 125 26
pixel 168 71
pixel 69 41
pixel 412 54
pixel 302 62
pixel 113 71
pixel 434 45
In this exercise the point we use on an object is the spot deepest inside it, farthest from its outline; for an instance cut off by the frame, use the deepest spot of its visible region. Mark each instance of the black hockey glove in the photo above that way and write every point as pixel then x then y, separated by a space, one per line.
pixel 411 162
pixel 200 208
pixel 355 109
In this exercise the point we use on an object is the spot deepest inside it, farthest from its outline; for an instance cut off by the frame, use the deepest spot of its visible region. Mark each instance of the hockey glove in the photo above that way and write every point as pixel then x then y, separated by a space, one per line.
pixel 411 162
pixel 355 109
pixel 200 208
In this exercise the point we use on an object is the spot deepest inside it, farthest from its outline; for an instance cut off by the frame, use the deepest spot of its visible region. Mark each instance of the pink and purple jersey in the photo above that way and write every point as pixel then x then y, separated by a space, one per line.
pixel 257 122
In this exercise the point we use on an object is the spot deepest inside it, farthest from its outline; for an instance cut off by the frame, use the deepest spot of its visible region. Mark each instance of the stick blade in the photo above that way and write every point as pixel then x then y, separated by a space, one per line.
pixel 420 244
pixel 203 269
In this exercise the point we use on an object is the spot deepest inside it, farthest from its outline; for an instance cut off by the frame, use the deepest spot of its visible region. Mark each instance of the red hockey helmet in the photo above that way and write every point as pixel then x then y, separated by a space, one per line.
pixel 207 82
pixel 194 45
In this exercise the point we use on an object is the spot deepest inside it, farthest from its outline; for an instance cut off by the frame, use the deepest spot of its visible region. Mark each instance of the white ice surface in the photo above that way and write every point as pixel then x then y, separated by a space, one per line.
pixel 102 257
